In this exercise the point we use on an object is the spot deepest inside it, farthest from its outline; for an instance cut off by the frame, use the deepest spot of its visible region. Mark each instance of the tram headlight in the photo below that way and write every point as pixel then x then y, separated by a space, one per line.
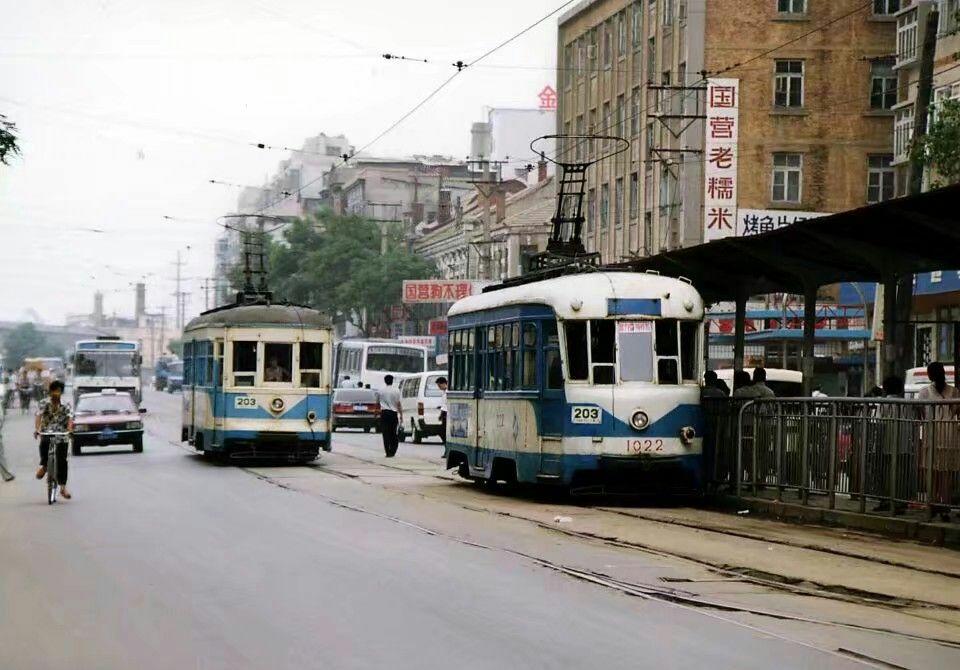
pixel 687 433
pixel 639 420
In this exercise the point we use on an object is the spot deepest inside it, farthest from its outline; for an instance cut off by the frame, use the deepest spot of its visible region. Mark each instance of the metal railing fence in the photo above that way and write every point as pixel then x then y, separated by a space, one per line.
pixel 896 453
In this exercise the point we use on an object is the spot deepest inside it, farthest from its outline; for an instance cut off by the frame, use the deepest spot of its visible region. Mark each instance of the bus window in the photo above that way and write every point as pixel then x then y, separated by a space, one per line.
pixel 311 363
pixel 576 332
pixel 395 359
pixel 278 362
pixel 244 363
pixel 688 350
pixel 603 354
pixel 668 352
pixel 636 351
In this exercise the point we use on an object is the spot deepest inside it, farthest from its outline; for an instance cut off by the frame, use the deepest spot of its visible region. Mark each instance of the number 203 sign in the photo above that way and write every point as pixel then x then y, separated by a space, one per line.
pixel 245 402
pixel 585 414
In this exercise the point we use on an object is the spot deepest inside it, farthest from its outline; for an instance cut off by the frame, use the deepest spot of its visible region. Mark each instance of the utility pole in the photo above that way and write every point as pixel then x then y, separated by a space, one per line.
pixel 179 295
pixel 898 293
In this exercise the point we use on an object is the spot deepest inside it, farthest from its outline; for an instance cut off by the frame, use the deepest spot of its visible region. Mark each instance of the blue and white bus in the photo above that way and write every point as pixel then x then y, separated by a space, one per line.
pixel 584 380
pixel 256 382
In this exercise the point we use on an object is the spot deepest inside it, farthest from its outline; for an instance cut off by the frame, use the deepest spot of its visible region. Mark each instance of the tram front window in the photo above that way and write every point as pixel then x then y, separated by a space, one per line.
pixel 311 362
pixel 278 367
pixel 244 363
pixel 636 350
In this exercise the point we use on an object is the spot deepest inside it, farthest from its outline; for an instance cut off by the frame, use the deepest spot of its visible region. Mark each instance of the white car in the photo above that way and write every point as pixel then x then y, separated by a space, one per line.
pixel 421 399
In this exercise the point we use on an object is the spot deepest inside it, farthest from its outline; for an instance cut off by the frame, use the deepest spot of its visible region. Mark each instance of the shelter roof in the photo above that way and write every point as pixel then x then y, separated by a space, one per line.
pixel 918 233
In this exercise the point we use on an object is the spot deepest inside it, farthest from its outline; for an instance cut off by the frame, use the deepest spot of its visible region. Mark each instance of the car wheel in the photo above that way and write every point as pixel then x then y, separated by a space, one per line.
pixel 138 445
pixel 366 429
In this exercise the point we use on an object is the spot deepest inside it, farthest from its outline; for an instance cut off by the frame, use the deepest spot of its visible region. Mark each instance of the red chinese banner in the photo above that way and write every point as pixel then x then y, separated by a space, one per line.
pixel 720 167
pixel 438 290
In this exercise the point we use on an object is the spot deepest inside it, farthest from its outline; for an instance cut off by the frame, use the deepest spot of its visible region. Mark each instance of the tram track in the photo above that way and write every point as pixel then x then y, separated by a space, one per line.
pixel 668 595
pixel 741 573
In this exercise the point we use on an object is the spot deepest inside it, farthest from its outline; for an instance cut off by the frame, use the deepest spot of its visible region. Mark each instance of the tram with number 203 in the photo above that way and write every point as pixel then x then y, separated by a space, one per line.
pixel 587 380
pixel 257 380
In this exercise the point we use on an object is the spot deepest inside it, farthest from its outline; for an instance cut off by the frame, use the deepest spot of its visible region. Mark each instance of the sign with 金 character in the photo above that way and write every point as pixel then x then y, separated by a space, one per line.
pixel 419 291
pixel 720 159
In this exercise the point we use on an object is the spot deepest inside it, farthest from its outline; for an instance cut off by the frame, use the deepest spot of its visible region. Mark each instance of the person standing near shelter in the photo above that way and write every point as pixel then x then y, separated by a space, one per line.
pixel 945 437
pixel 390 415
pixel 711 386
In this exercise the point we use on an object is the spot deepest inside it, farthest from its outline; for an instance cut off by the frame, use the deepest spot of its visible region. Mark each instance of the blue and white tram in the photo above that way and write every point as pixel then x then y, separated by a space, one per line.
pixel 257 382
pixel 579 380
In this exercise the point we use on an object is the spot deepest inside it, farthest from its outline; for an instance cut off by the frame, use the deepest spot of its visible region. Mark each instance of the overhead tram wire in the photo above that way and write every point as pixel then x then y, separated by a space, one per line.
pixel 460 67
pixel 729 68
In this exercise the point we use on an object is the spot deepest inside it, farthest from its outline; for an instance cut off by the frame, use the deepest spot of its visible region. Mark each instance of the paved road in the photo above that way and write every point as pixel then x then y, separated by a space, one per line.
pixel 163 560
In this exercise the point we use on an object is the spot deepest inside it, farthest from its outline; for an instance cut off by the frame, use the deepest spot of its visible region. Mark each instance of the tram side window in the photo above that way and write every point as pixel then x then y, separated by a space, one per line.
pixel 209 361
pixel 513 357
pixel 576 332
pixel 218 353
pixel 244 363
pixel 311 364
pixel 529 355
pixel 689 330
pixel 551 355
pixel 188 363
pixel 668 352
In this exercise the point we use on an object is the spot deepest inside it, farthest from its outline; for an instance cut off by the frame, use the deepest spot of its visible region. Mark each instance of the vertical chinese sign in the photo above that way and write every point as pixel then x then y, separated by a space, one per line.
pixel 720 159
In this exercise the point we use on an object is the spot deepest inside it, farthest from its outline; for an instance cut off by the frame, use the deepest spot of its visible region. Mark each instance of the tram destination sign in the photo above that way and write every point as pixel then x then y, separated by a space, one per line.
pixel 420 291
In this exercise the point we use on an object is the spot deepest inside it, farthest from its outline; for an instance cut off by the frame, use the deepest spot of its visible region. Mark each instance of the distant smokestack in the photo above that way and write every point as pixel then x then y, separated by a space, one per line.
pixel 481 141
pixel 141 304
pixel 98 309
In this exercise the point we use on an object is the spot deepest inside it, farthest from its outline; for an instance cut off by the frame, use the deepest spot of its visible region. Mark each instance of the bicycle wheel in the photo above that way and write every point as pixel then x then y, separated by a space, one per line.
pixel 51 490
pixel 52 486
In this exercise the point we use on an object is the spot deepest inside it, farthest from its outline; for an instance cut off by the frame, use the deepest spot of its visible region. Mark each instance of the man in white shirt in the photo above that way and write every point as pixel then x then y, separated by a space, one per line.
pixel 442 385
pixel 390 415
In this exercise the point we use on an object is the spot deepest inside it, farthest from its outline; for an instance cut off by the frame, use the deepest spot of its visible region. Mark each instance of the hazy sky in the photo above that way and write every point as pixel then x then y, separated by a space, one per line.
pixel 126 108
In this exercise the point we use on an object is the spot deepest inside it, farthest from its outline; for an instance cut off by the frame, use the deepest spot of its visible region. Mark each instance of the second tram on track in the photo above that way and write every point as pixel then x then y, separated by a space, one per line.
pixel 257 382
pixel 583 380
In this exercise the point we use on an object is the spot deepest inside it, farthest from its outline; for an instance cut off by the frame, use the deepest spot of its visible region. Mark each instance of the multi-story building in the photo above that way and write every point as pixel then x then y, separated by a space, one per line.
pixel 815 111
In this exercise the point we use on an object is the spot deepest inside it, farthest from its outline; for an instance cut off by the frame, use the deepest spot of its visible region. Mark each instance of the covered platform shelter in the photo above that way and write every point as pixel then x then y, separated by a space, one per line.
pixel 881 243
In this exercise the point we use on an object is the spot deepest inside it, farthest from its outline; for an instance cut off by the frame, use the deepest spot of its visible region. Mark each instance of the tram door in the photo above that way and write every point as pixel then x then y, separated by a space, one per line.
pixel 484 341
pixel 217 398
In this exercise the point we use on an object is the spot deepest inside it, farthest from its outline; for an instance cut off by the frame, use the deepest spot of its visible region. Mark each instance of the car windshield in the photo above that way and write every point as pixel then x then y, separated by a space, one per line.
pixel 395 359
pixel 432 390
pixel 356 395
pixel 106 404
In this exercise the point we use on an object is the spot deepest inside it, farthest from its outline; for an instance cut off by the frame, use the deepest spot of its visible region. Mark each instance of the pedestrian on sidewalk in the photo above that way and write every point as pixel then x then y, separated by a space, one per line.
pixel 946 438
pixel 442 385
pixel 4 470
pixel 391 415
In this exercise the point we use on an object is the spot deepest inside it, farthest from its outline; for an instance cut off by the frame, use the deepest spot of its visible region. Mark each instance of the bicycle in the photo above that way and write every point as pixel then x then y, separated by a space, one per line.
pixel 53 486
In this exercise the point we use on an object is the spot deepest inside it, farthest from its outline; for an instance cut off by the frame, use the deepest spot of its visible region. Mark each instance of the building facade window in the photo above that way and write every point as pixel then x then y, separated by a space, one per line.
pixel 880 178
pixel 665 94
pixel 621 34
pixel 949 17
pixel 792 6
pixel 667 12
pixel 666 191
pixel 902 133
pixel 907 37
pixel 885 7
pixel 604 207
pixel 592 51
pixel 607 44
pixel 883 84
pixel 621 120
pixel 591 208
pixel 651 59
pixel 618 202
pixel 648 190
pixel 604 120
pixel 568 73
pixel 635 106
pixel 788 83
pixel 634 194
pixel 787 177
pixel 580 132
pixel 648 233
pixel 649 143
pixel 636 25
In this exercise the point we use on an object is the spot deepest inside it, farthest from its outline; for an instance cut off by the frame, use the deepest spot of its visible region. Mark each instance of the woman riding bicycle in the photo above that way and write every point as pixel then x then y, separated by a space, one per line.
pixel 54 417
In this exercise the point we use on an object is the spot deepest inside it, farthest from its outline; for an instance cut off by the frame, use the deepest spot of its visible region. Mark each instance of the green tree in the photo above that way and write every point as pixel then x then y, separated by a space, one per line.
pixel 8 140
pixel 334 263
pixel 939 149
pixel 25 341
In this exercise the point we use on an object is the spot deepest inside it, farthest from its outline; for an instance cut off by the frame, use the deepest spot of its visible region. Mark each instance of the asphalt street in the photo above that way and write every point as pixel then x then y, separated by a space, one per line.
pixel 164 560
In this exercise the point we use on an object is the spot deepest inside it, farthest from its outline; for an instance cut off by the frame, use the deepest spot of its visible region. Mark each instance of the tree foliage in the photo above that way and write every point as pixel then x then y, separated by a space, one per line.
pixel 8 140
pixel 25 341
pixel 334 263
pixel 939 149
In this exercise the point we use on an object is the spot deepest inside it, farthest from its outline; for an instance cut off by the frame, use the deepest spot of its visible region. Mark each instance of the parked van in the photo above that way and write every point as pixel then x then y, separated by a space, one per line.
pixel 420 399
pixel 784 383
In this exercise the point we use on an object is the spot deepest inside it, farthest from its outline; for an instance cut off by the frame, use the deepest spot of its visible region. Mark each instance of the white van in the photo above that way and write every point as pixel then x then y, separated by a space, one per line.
pixel 420 399
pixel 784 383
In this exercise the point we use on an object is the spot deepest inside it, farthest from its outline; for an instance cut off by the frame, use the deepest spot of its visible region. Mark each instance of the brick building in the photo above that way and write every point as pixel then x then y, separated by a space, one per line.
pixel 815 118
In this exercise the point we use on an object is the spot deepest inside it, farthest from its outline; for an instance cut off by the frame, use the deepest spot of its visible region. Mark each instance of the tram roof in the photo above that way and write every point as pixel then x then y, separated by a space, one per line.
pixel 260 315
pixel 593 290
